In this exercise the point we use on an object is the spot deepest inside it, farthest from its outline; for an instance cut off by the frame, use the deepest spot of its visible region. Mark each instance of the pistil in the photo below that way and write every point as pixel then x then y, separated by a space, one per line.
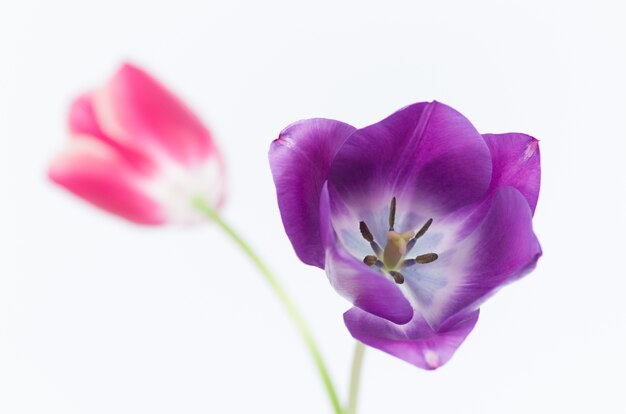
pixel 396 248
pixel 390 259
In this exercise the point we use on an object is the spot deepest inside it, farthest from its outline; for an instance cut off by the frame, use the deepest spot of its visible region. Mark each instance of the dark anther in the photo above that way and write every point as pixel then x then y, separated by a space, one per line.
pixel 392 214
pixel 365 232
pixel 426 258
pixel 370 260
pixel 397 277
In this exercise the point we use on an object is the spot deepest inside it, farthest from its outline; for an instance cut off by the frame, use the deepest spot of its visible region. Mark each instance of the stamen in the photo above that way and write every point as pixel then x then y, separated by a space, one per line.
pixel 421 259
pixel 367 235
pixel 376 248
pixel 426 258
pixel 365 232
pixel 419 234
pixel 397 277
pixel 424 229
pixel 397 246
pixel 392 214
pixel 370 260
pixel 407 263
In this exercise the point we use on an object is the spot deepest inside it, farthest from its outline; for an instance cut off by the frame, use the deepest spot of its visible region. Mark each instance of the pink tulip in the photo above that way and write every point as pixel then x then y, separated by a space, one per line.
pixel 138 152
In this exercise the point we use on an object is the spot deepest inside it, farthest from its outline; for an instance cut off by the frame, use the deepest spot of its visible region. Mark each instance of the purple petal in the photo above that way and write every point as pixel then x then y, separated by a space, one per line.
pixel 516 163
pixel 501 249
pixel 427 154
pixel 504 244
pixel 363 287
pixel 414 342
pixel 300 159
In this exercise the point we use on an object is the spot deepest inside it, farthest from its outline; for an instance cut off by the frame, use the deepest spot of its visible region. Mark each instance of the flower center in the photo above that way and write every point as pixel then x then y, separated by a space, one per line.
pixel 391 259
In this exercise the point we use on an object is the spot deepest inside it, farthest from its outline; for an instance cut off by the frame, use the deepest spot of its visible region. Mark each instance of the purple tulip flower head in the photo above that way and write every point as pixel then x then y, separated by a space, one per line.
pixel 416 219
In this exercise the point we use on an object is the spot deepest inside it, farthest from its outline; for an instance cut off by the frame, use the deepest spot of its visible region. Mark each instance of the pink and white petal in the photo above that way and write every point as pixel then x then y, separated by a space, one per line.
pixel 501 249
pixel 300 159
pixel 516 163
pixel 414 342
pixel 174 188
pixel 97 173
pixel 137 110
pixel 82 120
pixel 352 279
pixel 83 124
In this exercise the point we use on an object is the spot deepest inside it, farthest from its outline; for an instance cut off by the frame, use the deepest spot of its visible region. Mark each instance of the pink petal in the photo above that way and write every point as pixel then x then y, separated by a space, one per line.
pixel 83 124
pixel 100 175
pixel 138 111
pixel 82 118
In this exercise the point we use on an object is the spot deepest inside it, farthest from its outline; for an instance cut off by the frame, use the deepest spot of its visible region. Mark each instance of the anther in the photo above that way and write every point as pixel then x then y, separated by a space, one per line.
pixel 397 277
pixel 426 258
pixel 365 232
pixel 392 214
pixel 370 260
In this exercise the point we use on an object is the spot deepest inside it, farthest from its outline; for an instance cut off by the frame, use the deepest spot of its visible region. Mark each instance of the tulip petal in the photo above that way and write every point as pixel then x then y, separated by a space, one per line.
pixel 516 163
pixel 427 154
pixel 83 124
pixel 414 342
pixel 102 176
pixel 501 248
pixel 300 159
pixel 82 119
pixel 140 112
pixel 352 279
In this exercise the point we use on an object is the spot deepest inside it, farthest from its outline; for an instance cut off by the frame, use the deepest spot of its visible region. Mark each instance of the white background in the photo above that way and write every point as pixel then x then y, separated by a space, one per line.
pixel 100 316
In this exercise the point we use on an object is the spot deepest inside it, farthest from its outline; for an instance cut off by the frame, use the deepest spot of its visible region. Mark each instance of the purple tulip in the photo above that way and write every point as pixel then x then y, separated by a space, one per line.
pixel 416 219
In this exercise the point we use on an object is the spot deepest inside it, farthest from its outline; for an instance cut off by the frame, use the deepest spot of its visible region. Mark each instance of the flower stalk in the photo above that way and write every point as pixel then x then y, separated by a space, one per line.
pixel 282 296
pixel 355 378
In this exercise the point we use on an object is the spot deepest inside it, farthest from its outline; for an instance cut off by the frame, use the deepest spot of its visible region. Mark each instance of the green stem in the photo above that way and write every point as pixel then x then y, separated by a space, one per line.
pixel 278 290
pixel 357 364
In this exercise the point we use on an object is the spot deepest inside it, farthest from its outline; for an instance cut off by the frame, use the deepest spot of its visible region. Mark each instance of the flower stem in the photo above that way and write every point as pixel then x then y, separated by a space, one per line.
pixel 357 364
pixel 282 296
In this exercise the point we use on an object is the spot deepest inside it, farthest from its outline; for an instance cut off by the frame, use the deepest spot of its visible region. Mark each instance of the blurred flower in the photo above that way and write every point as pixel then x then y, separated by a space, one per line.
pixel 138 152
pixel 417 220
